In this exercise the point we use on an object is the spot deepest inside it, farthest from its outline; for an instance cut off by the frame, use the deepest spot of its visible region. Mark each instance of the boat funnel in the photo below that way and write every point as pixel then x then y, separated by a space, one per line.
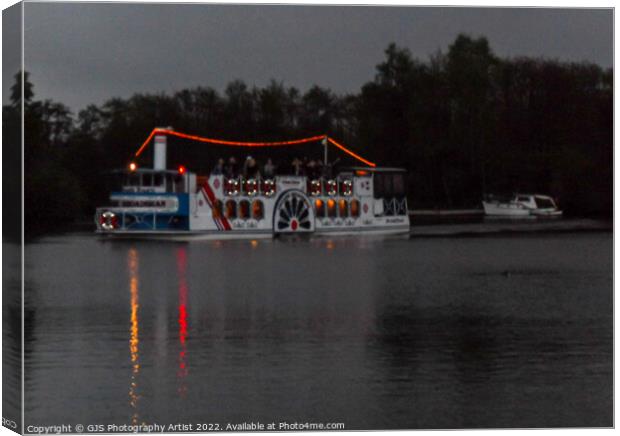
pixel 159 153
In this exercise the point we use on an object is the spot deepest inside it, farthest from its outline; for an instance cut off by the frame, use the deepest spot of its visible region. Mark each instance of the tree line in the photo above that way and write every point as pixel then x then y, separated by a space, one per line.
pixel 464 123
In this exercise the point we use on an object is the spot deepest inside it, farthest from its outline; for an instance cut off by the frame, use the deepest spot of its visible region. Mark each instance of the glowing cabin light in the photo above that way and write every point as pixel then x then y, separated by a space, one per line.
pixel 182 169
pixel 331 208
pixel 319 207
pixel 133 166
pixel 343 208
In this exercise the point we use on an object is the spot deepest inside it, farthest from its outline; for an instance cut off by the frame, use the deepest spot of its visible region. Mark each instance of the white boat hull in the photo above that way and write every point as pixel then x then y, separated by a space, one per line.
pixel 551 213
pixel 224 209
pixel 239 235
pixel 505 210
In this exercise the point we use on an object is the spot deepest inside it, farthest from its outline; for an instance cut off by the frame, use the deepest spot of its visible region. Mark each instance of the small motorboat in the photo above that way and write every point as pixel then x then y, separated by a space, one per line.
pixel 521 206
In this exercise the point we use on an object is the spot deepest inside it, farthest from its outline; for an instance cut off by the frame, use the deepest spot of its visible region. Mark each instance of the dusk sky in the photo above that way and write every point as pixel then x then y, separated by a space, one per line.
pixel 86 53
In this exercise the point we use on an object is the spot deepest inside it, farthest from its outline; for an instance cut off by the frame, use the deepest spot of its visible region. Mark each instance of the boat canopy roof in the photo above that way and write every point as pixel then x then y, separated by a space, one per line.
pixel 532 195
pixel 376 169
pixel 325 139
pixel 143 171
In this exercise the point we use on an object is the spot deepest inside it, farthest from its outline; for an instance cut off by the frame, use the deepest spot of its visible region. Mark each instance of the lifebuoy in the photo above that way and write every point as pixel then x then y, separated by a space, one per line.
pixel 315 187
pixel 346 187
pixel 251 187
pixel 331 187
pixel 231 186
pixel 268 187
pixel 108 220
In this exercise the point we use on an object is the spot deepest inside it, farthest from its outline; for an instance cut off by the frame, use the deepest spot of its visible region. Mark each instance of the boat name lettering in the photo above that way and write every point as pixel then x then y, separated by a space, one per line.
pixel 291 182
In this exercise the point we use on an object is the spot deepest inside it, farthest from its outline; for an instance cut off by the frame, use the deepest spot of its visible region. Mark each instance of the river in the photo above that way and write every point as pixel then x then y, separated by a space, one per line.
pixel 444 332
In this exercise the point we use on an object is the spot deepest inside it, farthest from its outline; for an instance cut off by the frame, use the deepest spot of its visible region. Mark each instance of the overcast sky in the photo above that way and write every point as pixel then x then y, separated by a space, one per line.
pixel 86 53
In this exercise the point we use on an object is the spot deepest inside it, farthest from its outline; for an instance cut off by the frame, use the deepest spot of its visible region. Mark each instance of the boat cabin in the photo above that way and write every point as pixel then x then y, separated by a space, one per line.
pixel 150 180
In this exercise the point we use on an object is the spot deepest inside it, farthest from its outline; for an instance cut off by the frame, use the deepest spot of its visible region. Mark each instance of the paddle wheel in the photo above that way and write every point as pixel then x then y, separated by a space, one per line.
pixel 293 214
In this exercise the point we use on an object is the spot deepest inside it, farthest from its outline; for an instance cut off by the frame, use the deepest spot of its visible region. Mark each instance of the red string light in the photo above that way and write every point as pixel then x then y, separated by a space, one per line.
pixel 249 144
pixel 350 153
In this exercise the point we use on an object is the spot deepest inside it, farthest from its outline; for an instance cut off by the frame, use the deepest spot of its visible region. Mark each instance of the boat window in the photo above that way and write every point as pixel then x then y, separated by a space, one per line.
pixel 244 209
pixel 319 208
pixel 544 203
pixel 231 209
pixel 355 208
pixel 158 179
pixel 343 208
pixel 389 185
pixel 217 209
pixel 147 179
pixel 179 185
pixel 133 179
pixel 383 185
pixel 523 198
pixel 331 208
pixel 169 183
pixel 398 185
pixel 258 211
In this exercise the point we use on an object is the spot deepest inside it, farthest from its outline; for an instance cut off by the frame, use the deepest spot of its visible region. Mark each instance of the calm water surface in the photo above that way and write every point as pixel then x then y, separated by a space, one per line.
pixel 511 331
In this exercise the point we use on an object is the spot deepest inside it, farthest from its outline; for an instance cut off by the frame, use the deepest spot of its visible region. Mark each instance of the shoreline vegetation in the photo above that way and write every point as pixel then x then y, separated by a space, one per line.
pixel 464 123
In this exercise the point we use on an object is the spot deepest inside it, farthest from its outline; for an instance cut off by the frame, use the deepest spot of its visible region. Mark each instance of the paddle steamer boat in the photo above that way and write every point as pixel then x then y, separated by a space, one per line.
pixel 180 204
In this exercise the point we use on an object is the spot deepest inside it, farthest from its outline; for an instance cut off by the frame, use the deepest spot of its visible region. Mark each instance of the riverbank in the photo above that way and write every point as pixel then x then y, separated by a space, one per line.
pixel 496 226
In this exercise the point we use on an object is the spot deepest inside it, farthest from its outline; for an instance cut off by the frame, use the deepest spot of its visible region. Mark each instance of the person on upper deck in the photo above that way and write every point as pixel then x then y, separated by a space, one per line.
pixel 269 169
pixel 328 170
pixel 319 169
pixel 218 169
pixel 231 169
pixel 250 169
pixel 297 167
pixel 311 169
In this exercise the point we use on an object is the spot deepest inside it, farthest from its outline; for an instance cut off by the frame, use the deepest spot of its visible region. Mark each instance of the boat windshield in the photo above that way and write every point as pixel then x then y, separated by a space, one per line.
pixel 544 203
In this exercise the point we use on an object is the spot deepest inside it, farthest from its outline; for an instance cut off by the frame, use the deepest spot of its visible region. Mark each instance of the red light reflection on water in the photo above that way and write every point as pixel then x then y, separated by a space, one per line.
pixel 182 319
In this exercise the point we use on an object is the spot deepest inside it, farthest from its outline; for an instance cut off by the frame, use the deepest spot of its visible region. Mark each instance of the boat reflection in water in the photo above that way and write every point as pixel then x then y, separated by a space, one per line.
pixel 134 342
